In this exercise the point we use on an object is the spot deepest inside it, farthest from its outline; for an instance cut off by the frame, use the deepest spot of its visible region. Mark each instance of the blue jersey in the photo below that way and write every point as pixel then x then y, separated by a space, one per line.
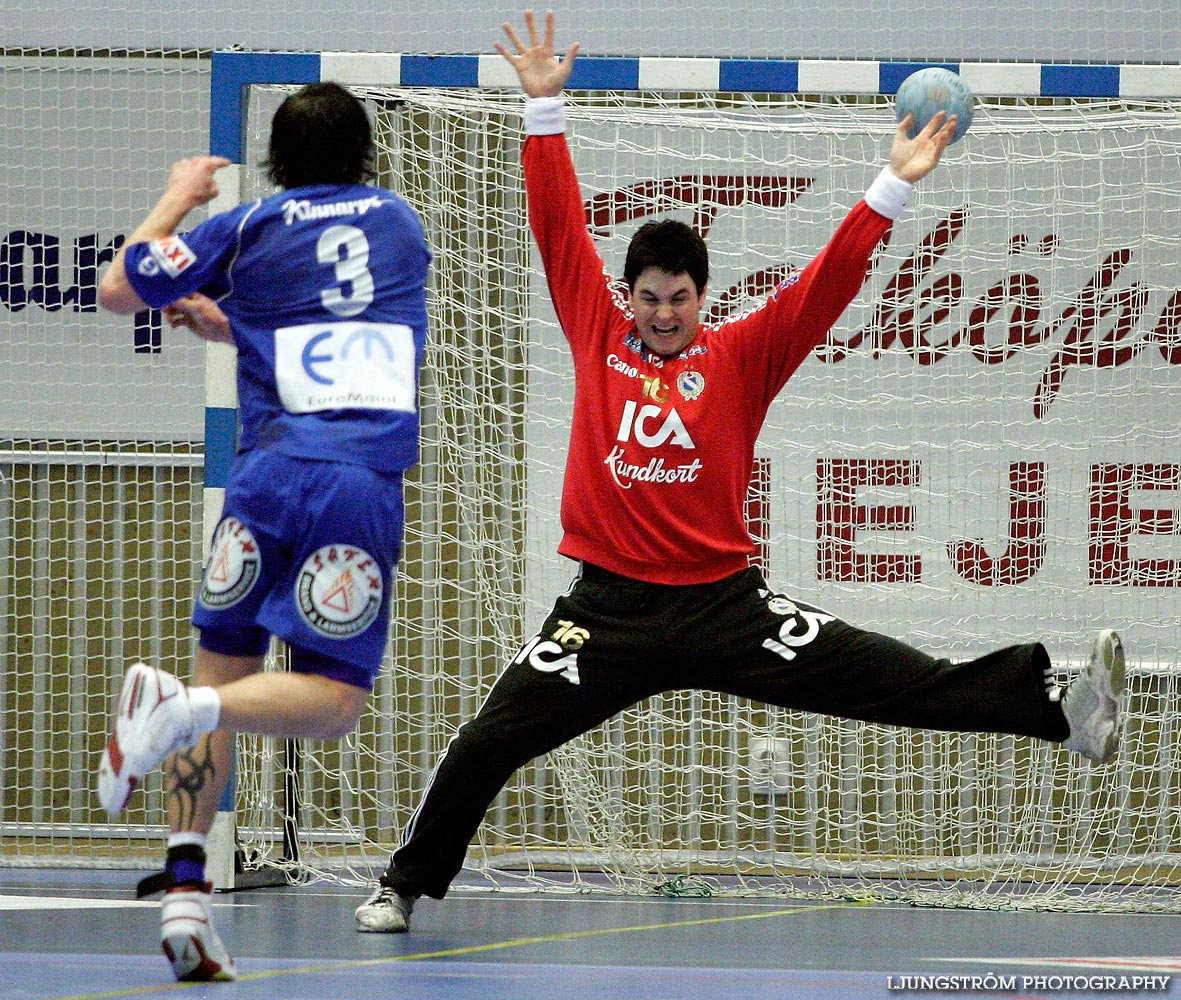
pixel 324 287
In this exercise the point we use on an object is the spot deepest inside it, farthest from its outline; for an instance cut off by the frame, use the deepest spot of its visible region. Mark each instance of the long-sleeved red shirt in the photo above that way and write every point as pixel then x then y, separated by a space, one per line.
pixel 661 449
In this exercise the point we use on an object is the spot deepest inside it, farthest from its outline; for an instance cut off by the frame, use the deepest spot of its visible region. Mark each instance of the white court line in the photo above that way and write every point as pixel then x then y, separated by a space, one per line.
pixel 67 903
pixel 1150 963
pixel 75 903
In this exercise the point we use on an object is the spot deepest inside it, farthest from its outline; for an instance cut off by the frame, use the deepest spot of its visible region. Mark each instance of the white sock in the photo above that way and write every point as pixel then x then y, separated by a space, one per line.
pixel 187 837
pixel 206 705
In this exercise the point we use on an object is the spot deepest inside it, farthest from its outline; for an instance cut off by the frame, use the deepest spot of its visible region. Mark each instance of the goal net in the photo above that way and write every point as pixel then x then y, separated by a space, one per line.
pixel 980 454
pixel 100 439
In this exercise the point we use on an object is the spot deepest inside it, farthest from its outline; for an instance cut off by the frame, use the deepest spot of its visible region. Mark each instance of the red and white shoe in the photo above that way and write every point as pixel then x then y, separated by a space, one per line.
pixel 154 719
pixel 189 940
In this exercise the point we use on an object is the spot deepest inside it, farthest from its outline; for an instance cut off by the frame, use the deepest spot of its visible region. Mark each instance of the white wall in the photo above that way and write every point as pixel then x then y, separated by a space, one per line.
pixel 1037 31
pixel 86 152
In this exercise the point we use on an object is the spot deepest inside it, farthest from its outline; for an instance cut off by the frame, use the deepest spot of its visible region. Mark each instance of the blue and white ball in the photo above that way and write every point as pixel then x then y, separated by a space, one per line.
pixel 929 91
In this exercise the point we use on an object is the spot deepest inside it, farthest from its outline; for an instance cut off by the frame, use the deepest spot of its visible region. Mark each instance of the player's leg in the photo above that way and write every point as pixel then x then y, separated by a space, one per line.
pixel 588 662
pixel 1008 690
pixel 195 778
pixel 800 656
pixel 292 705
pixel 243 563
pixel 527 714
pixel 160 715
pixel 295 704
pixel 269 704
pixel 250 590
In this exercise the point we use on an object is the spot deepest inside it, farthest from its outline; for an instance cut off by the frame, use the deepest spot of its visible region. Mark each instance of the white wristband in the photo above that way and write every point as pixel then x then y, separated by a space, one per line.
pixel 545 115
pixel 888 194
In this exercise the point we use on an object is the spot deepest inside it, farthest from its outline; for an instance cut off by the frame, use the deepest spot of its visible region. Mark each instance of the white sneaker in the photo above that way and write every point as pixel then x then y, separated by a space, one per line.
pixel 189 940
pixel 1094 702
pixel 154 718
pixel 385 912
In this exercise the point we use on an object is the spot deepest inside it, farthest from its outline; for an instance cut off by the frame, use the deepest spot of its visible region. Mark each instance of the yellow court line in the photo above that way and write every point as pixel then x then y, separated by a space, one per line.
pixel 474 949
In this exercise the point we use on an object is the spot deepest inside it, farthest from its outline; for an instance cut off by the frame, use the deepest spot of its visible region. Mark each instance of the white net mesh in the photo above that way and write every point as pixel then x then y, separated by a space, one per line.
pixel 980 455
pixel 100 439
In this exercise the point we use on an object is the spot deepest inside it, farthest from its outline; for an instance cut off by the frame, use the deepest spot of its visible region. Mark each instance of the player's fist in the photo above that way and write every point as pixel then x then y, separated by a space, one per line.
pixel 202 315
pixel 192 179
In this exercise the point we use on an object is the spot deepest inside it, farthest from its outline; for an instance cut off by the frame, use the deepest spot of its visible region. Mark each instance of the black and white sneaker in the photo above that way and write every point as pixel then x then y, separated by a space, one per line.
pixel 385 912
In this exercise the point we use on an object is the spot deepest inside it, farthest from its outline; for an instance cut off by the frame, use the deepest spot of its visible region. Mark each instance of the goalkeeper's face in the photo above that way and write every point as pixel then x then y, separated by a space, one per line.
pixel 667 310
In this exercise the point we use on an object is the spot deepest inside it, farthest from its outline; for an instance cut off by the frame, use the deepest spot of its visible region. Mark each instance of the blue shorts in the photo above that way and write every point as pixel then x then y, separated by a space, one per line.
pixel 306 551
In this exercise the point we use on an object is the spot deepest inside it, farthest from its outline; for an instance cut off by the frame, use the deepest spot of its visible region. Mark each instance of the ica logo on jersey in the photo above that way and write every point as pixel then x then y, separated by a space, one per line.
pixel 650 427
pixel 646 424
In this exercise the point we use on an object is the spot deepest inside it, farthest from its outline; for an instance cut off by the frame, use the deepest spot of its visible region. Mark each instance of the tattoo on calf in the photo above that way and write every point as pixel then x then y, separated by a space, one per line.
pixel 191 770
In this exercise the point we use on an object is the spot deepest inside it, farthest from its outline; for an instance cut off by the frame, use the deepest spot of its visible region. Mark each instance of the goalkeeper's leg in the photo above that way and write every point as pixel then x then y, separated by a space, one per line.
pixel 528 713
pixel 583 667
pixel 799 656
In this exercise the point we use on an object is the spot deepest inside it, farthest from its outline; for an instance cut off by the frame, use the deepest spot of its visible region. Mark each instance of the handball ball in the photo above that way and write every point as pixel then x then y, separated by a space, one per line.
pixel 929 91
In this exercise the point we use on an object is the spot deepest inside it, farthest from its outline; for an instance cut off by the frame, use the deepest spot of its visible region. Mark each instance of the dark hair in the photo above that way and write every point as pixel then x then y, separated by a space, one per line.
pixel 672 247
pixel 320 135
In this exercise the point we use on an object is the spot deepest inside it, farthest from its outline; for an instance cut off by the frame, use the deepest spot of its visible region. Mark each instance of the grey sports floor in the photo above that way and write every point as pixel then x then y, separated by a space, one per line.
pixel 82 935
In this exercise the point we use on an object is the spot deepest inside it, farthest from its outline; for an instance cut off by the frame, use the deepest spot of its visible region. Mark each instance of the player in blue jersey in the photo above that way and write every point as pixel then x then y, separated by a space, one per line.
pixel 322 289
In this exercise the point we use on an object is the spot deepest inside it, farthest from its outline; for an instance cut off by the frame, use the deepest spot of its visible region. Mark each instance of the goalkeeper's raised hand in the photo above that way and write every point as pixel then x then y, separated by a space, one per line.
pixel 911 159
pixel 541 73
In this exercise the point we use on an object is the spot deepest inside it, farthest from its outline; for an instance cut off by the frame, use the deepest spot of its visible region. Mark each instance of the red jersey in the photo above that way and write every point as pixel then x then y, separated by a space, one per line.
pixel 661 449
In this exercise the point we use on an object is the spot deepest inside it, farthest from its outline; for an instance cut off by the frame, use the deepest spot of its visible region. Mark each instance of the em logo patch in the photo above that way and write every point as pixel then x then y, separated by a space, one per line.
pixel 234 561
pixel 338 590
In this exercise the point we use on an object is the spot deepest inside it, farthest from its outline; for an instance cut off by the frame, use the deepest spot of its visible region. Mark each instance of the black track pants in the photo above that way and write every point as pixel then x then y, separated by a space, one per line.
pixel 612 642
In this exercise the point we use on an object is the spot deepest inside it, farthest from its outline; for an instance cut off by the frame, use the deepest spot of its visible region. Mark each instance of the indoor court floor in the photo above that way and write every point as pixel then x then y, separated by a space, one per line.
pixel 80 934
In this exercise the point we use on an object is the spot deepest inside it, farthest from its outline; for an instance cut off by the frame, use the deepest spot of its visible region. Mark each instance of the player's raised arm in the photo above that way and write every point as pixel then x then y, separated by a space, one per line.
pixel 190 184
pixel 540 71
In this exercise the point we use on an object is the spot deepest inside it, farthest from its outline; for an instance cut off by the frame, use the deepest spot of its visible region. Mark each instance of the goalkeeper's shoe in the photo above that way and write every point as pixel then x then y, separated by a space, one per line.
pixel 1094 702
pixel 154 719
pixel 385 912
pixel 188 938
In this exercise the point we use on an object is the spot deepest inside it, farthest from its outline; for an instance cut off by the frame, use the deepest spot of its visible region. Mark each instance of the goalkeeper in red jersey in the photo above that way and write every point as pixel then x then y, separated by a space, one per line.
pixel 666 415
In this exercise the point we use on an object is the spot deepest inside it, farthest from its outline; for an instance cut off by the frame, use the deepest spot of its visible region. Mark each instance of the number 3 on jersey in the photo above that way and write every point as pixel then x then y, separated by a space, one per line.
pixel 347 249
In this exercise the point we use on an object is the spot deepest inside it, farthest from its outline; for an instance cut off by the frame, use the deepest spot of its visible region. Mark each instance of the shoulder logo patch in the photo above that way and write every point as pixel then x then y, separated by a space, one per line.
pixel 172 254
